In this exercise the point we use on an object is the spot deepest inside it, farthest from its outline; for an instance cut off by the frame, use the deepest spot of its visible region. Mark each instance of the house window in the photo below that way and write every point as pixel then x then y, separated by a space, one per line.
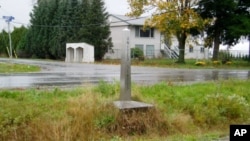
pixel 191 49
pixel 140 32
pixel 139 46
pixel 150 51
pixel 202 50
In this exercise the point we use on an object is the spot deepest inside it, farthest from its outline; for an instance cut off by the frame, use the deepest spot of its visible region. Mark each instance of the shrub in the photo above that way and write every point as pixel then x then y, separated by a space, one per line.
pixel 137 53
pixel 218 108
pixel 224 61
pixel 200 63
pixel 216 63
pixel 228 63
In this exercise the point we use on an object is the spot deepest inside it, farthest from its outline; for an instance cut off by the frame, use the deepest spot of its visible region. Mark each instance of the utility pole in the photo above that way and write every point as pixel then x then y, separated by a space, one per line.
pixel 8 19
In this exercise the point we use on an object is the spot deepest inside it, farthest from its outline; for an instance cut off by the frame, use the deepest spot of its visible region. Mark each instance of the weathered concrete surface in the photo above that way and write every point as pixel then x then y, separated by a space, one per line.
pixel 125 71
pixel 61 74
pixel 123 105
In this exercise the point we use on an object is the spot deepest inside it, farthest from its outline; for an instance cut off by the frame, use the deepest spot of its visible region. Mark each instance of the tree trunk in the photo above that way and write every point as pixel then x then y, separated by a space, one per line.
pixel 216 47
pixel 182 41
pixel 249 48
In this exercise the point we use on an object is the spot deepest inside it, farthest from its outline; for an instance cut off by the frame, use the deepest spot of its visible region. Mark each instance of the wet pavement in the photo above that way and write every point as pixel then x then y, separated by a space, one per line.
pixel 61 74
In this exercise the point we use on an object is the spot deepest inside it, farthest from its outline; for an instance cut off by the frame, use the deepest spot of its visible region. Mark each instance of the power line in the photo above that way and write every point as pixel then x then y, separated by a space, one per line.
pixel 65 26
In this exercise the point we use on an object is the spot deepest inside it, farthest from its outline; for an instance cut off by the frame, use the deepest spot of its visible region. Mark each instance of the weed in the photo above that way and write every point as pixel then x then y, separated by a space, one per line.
pixel 107 89
pixel 201 111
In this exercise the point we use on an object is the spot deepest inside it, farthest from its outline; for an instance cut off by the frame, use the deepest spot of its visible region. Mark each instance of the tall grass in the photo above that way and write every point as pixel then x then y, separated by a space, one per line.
pixel 181 112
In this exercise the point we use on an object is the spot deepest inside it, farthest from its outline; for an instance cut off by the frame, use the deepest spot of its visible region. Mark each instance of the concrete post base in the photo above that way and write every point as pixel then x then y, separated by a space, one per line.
pixel 127 105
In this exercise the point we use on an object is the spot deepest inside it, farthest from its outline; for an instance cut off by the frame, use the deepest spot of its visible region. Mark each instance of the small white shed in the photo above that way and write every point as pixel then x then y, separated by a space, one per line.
pixel 79 52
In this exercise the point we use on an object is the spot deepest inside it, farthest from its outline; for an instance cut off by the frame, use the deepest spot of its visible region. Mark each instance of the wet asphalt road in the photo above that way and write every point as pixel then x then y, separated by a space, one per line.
pixel 61 74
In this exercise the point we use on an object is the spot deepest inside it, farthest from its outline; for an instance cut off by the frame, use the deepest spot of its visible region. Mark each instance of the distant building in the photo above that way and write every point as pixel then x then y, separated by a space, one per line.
pixel 149 40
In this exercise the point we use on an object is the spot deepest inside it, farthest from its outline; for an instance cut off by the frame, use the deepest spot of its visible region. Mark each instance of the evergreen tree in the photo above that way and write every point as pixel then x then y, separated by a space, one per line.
pixel 72 20
pixel 57 42
pixel 39 34
pixel 98 27
pixel 4 42
pixel 84 31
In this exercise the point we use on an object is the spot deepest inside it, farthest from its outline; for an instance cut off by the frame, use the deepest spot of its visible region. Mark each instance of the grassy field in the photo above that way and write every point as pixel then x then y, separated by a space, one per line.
pixel 197 112
pixel 13 68
pixel 190 63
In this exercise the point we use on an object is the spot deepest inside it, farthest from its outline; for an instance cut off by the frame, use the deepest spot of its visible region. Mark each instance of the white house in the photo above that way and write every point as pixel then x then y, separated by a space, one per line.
pixel 79 52
pixel 149 40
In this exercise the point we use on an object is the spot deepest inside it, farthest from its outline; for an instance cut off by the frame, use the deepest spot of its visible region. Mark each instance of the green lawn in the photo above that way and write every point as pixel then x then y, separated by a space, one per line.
pixel 14 68
pixel 194 112
pixel 190 63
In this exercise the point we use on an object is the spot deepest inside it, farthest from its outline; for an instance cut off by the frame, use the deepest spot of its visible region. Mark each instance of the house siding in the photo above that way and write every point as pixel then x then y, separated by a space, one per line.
pixel 117 35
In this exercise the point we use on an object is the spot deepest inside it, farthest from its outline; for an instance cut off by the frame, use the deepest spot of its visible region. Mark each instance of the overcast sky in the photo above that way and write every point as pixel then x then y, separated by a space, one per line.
pixel 20 9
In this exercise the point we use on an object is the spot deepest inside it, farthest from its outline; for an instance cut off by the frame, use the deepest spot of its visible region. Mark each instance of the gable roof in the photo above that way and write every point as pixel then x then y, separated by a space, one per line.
pixel 121 20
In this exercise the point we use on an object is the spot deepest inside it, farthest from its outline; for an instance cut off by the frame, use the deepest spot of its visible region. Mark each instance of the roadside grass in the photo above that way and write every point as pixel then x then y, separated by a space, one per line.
pixel 194 112
pixel 189 63
pixel 13 68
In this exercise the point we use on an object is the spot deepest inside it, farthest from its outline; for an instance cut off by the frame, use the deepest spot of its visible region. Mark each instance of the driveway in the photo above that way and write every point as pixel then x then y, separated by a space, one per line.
pixel 61 74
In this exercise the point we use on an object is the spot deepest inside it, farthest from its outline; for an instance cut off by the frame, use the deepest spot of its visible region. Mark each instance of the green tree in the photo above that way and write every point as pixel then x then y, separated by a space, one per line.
pixel 240 23
pixel 230 21
pixel 39 32
pixel 84 31
pixel 4 42
pixel 171 17
pixel 98 29
pixel 58 29
pixel 71 18
pixel 17 37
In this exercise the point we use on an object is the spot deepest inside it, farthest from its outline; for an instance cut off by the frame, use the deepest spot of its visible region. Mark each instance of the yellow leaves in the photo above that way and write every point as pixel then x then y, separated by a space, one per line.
pixel 137 7
pixel 208 42
pixel 189 19
pixel 169 16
